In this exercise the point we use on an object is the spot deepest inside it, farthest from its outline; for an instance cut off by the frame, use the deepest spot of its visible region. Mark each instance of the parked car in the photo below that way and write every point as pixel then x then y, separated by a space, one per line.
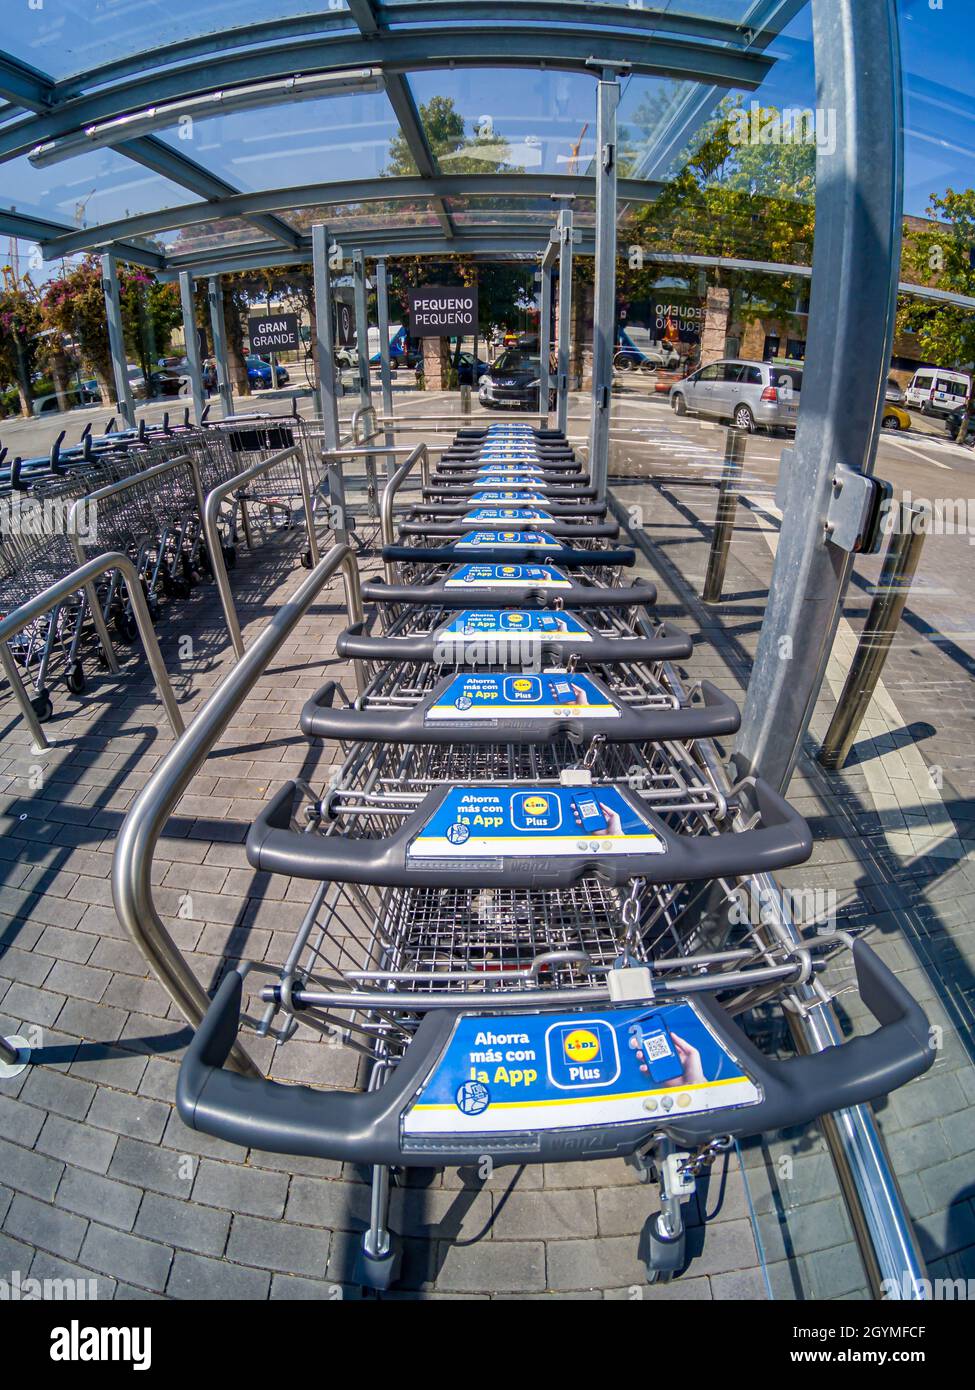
pixel 895 394
pixel 259 372
pixel 512 381
pixel 639 352
pixel 48 404
pixel 937 392
pixel 895 417
pixel 749 394
pixel 953 424
pixel 466 369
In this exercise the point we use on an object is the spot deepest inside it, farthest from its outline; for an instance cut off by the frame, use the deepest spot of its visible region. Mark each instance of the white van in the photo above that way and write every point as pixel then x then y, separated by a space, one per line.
pixel 937 392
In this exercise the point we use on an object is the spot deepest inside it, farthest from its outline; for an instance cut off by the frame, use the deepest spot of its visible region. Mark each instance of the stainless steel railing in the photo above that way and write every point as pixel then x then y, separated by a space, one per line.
pixel 147 817
pixel 420 454
pixel 211 530
pixel 82 579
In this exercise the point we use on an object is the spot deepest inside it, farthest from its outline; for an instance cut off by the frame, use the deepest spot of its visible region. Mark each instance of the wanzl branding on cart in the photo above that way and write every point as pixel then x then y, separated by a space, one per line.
pixel 534 821
pixel 558 1070
pixel 533 697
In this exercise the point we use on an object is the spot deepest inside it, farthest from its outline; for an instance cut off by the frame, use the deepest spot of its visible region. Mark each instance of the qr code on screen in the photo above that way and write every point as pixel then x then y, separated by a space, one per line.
pixel 655 1048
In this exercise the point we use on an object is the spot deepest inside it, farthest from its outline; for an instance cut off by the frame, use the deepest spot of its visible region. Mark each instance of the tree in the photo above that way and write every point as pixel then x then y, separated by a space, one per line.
pixel 483 152
pixel 943 256
pixel 20 323
pixel 746 189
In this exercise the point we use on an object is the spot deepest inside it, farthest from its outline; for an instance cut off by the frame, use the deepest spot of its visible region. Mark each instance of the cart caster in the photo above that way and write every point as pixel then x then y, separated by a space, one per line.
pixel 306 559
pixel 155 612
pixel 663 1256
pixel 644 1168
pixel 379 1272
pixel 43 706
pixel 124 625
pixel 230 556
pixel 181 587
pixel 75 679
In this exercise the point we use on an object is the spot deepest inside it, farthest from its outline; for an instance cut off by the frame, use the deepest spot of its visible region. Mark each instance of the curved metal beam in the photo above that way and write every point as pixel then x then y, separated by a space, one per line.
pixel 314 195
pixel 585 12
pixel 496 45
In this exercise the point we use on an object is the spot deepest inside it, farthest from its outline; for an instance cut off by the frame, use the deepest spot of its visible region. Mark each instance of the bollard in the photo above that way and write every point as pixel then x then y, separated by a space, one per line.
pixel 900 567
pixel 724 519
pixel 14 1056
pixel 465 400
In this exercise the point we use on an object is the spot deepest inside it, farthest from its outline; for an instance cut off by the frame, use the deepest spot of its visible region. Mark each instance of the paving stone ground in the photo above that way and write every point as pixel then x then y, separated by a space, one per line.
pixel 99 1179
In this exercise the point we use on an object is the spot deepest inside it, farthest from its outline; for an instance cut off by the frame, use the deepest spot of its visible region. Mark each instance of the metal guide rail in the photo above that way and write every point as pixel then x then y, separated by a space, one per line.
pixel 523 914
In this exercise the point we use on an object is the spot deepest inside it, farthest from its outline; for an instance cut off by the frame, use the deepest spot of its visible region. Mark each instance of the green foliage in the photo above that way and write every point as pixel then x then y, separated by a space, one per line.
pixel 941 256
pixel 752 201
pixel 20 322
pixel 484 151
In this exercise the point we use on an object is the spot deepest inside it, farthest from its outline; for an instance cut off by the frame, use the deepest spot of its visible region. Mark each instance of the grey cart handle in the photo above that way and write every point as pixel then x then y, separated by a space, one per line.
pixel 364 1127
pixel 669 643
pixel 638 595
pixel 715 716
pixel 780 838
pixel 515 555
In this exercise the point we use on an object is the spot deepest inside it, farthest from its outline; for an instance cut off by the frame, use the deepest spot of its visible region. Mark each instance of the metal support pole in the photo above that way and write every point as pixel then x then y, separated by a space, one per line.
pixel 8 1053
pixel 328 407
pixel 14 1056
pixel 604 299
pixel 565 317
pixel 116 337
pixel 385 373
pixel 724 521
pixel 218 330
pixel 361 326
pixel 900 567
pixel 192 342
pixel 859 188
pixel 545 342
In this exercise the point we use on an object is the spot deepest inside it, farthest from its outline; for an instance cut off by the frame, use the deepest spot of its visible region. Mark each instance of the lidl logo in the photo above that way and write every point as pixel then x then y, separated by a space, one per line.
pixel 522 684
pixel 535 805
pixel 581 1046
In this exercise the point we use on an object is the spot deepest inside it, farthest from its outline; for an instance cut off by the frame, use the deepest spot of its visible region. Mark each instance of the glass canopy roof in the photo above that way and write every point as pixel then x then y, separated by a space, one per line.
pixel 177 127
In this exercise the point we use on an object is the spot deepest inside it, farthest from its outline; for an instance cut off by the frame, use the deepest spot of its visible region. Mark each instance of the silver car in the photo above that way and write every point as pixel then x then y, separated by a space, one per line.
pixel 749 394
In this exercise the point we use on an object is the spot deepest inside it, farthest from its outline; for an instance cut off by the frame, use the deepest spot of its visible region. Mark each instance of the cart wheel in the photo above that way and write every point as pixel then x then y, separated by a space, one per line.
pixel 75 679
pixel 306 559
pixel 43 706
pixel 181 586
pixel 644 1169
pixel 662 1256
pixel 378 1272
pixel 230 556
pixel 155 612
pixel 124 625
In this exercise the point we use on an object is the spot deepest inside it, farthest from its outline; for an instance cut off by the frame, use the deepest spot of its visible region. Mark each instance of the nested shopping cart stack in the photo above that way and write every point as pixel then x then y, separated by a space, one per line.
pixel 525 868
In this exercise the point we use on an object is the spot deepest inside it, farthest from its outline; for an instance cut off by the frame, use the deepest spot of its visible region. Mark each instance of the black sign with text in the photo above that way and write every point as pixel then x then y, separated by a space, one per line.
pixel 274 333
pixel 443 311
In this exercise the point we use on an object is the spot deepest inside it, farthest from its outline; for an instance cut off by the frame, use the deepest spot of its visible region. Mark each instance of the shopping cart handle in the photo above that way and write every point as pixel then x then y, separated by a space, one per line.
pixel 716 715
pixel 779 839
pixel 518 555
pixel 800 1089
pixel 638 595
pixel 460 508
pixel 463 487
pixel 365 1127
pixel 668 643
pixel 558 526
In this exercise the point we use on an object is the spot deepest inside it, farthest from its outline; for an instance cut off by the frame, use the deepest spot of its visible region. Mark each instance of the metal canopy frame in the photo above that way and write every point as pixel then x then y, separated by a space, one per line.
pixel 565 35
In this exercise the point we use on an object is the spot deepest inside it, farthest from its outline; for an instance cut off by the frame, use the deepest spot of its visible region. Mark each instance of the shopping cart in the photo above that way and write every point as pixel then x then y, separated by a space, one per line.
pixel 479 585
pixel 420 522
pixel 521 994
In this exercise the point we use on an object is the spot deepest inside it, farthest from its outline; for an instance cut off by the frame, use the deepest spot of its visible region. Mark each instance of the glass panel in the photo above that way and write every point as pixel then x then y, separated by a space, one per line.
pixel 71 36
pixel 330 139
pixel 222 235
pixel 486 121
pixel 95 187
pixel 360 217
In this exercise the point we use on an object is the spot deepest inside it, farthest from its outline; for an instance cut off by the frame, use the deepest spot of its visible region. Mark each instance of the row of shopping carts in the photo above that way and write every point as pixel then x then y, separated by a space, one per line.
pixel 141 492
pixel 529 871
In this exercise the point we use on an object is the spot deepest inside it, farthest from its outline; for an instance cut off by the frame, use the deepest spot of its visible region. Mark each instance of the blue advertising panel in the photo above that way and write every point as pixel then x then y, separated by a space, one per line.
pixel 497 576
pixel 508 540
pixel 489 622
pixel 518 1072
pixel 482 822
pixel 551 693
